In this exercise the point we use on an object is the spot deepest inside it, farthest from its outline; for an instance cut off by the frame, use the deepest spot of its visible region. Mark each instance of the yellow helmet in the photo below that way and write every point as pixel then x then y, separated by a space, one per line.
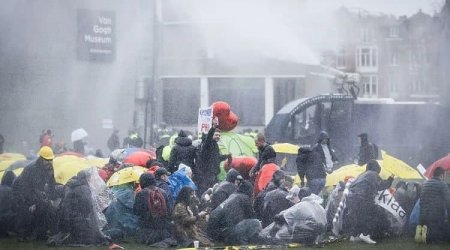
pixel 46 153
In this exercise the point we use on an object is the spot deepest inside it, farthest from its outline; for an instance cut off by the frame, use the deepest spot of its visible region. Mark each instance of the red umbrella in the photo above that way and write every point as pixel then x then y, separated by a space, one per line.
pixel 139 158
pixel 242 164
pixel 444 163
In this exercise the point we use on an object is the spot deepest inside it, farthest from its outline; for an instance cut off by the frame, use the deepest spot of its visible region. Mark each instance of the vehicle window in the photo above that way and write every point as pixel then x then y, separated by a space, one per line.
pixel 305 123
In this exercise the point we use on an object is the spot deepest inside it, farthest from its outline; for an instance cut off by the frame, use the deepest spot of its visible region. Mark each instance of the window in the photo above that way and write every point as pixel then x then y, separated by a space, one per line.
pixel 393 57
pixel 367 57
pixel 181 100
pixel 306 124
pixel 418 85
pixel 365 35
pixel 245 96
pixel 393 87
pixel 370 85
pixel 394 31
pixel 341 59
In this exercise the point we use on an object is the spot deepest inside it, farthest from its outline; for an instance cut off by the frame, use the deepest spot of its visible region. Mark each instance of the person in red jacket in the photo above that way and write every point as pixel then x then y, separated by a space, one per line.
pixel 46 138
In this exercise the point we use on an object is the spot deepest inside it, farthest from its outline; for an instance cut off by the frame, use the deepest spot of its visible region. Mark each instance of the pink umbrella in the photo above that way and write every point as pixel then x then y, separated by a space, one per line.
pixel 139 158
pixel 444 163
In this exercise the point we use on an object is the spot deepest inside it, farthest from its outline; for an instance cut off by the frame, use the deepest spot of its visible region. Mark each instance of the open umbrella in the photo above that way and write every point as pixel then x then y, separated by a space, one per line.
pixel 126 175
pixel 444 163
pixel 398 167
pixel 78 134
pixel 286 156
pixel 16 167
pixel 139 158
pixel 389 166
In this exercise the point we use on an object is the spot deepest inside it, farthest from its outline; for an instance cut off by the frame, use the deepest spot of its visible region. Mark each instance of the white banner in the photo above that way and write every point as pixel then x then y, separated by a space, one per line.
pixel 387 201
pixel 205 116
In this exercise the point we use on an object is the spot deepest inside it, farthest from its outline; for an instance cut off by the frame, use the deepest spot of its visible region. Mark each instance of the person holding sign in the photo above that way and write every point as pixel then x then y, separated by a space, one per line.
pixel 208 160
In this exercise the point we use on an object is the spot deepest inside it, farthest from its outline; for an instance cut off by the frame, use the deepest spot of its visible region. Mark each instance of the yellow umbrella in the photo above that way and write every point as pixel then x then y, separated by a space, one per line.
pixel 7 159
pixel 398 167
pixel 11 156
pixel 126 175
pixel 66 169
pixel 286 148
pixel 97 162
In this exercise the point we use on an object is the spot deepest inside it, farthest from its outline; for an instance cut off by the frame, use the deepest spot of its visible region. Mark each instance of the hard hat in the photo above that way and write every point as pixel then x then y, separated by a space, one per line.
pixel 46 153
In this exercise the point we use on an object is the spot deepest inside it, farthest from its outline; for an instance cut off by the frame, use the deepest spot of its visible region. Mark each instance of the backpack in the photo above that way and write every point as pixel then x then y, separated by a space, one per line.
pixel 157 203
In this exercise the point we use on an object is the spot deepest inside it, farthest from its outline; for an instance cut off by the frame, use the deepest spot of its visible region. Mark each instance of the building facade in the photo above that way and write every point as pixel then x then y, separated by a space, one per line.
pixel 395 56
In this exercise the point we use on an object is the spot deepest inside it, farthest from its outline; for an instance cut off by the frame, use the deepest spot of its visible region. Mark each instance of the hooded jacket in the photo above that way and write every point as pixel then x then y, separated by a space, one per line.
pixel 318 148
pixel 367 151
pixel 367 185
pixel 182 152
pixel 141 208
pixel 224 189
pixel 77 214
pixel 309 164
pixel 233 210
pixel 274 202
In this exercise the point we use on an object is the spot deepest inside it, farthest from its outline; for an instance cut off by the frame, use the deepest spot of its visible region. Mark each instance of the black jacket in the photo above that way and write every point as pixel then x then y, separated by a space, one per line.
pixel 35 186
pixel 165 186
pixel 224 189
pixel 209 157
pixel 367 151
pixel 77 214
pixel 233 210
pixel 258 204
pixel 265 155
pixel 182 152
pixel 434 202
pixel 7 204
pixel 366 187
pixel 142 210
pixel 309 164
pixel 274 202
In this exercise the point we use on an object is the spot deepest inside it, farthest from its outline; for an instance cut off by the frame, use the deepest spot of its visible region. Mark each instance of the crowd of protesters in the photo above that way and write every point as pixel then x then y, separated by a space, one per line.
pixel 265 208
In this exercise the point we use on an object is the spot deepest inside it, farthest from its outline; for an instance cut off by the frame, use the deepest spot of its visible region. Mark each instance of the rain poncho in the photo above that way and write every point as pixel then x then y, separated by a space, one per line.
pixel 79 222
pixel 302 223
pixel 178 180
pixel 120 216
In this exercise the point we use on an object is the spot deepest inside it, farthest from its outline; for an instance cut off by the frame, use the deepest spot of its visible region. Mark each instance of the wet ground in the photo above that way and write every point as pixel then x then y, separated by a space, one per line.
pixel 397 244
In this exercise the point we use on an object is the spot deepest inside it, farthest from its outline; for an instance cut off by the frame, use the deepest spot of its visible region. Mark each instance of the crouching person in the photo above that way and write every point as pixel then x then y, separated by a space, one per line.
pixel 233 221
pixel 78 221
pixel 153 212
pixel 302 223
pixel 186 230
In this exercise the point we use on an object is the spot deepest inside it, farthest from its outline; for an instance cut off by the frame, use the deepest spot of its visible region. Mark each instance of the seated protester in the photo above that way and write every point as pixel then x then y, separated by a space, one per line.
pixel 363 217
pixel 274 202
pixel 34 190
pixel 434 208
pixel 79 223
pixel 407 194
pixel 151 208
pixel 302 223
pixel 162 181
pixel 334 199
pixel 233 222
pixel 119 214
pixel 225 188
pixel 182 177
pixel 278 178
pixel 7 206
pixel 186 230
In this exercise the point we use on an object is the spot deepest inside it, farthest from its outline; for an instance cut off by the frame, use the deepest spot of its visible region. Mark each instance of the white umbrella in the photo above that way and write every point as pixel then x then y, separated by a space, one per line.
pixel 78 134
